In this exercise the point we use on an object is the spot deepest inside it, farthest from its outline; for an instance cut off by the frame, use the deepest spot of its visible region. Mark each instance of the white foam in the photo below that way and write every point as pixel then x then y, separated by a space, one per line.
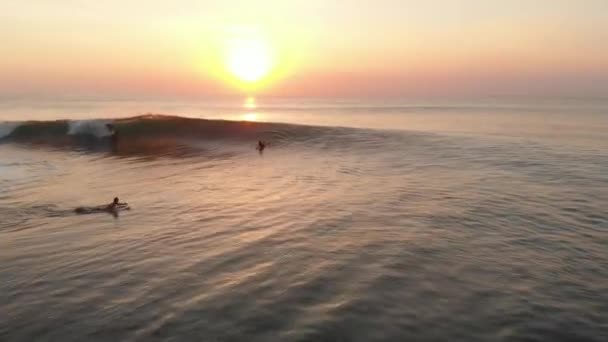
pixel 97 128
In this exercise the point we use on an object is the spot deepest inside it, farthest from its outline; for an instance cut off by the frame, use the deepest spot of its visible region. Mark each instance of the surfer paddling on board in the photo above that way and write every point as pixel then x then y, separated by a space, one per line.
pixel 116 204
pixel 111 208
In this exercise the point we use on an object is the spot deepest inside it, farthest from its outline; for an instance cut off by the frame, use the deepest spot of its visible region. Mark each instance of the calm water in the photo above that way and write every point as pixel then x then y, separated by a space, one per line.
pixel 409 222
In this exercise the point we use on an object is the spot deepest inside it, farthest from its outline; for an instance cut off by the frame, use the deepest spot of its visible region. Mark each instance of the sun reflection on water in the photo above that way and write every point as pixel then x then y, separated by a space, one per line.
pixel 250 117
pixel 250 103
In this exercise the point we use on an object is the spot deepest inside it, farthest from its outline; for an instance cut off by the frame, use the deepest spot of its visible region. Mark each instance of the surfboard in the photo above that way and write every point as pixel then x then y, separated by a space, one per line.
pixel 102 209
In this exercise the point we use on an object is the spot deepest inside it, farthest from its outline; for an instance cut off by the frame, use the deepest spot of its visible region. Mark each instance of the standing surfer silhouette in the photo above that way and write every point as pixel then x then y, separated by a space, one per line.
pixel 113 136
pixel 261 146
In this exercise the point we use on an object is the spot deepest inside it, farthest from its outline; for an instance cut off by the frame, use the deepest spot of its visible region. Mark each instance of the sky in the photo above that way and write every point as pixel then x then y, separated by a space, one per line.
pixel 376 48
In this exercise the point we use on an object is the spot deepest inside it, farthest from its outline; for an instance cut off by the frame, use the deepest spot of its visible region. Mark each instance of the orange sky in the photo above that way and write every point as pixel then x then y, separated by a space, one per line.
pixel 316 48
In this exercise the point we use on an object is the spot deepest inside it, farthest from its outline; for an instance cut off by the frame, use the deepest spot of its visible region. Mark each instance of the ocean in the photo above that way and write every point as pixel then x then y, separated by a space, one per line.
pixel 361 221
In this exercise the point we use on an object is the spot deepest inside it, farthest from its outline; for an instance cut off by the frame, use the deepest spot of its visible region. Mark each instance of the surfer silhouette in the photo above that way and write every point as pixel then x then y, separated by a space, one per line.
pixel 261 146
pixel 116 204
pixel 113 136
pixel 111 208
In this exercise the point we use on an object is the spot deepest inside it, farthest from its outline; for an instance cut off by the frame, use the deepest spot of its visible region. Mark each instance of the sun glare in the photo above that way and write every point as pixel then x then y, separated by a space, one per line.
pixel 250 117
pixel 249 59
pixel 250 103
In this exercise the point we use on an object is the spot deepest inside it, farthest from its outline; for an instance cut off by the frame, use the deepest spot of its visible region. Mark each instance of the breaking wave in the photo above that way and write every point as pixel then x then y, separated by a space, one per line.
pixel 149 126
pixel 161 134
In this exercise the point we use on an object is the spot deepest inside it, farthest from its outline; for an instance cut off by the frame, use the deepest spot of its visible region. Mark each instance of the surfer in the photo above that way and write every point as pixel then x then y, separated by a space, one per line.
pixel 261 146
pixel 116 204
pixel 113 135
pixel 109 208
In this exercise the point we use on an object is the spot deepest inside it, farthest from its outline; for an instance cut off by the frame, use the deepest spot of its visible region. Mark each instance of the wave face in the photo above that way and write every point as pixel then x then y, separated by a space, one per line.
pixel 154 134
pixel 147 126
pixel 172 136
pixel 330 234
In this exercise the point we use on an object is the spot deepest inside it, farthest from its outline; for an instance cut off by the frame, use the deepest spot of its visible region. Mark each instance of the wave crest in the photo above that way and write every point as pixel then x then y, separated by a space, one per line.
pixel 147 133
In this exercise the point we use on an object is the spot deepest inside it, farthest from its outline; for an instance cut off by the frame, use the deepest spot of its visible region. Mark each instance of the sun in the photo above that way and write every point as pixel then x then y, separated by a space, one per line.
pixel 249 59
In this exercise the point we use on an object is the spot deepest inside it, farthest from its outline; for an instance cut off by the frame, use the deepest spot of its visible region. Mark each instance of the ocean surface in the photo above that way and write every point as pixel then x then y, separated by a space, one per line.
pixel 361 221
